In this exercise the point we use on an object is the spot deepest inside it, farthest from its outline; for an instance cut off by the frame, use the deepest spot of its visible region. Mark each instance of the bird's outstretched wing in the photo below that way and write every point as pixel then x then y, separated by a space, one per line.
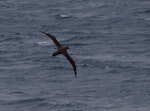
pixel 53 38
pixel 72 62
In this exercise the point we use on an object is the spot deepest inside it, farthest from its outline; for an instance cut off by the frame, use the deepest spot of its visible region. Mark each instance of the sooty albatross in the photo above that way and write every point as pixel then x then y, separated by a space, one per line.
pixel 62 50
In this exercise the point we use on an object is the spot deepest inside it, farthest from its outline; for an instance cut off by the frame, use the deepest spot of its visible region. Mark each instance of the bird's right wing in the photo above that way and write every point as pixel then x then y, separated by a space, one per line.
pixel 72 63
pixel 53 38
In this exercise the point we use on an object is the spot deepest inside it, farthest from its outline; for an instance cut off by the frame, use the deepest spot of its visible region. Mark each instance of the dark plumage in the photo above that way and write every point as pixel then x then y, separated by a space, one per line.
pixel 62 50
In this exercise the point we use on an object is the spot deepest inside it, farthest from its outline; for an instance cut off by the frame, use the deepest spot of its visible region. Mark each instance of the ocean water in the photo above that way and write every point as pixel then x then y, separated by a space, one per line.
pixel 108 39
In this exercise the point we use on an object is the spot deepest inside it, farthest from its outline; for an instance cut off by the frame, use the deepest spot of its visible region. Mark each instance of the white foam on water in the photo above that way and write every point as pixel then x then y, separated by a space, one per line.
pixel 44 43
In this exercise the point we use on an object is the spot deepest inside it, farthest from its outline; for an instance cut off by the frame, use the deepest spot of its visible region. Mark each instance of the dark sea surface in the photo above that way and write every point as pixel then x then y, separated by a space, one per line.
pixel 108 39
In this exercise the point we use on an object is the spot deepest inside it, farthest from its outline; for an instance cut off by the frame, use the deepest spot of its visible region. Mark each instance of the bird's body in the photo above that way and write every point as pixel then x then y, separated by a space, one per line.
pixel 62 50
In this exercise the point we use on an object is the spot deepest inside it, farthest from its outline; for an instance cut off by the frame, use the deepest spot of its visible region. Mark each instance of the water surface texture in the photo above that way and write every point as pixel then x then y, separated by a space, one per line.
pixel 108 39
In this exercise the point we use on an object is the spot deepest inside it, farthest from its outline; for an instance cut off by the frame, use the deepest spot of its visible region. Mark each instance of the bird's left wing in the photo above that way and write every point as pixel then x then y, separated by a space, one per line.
pixel 53 38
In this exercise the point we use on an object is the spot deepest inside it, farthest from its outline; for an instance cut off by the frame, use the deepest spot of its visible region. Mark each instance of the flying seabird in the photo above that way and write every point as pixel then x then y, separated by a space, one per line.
pixel 62 50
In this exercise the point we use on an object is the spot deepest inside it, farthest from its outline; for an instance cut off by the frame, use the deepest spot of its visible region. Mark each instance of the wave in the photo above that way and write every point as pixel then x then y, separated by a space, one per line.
pixel 111 57
pixel 44 43
pixel 24 101
pixel 109 61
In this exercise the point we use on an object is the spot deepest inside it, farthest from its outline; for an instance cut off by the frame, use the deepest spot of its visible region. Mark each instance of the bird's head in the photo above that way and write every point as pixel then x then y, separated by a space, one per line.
pixel 67 47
